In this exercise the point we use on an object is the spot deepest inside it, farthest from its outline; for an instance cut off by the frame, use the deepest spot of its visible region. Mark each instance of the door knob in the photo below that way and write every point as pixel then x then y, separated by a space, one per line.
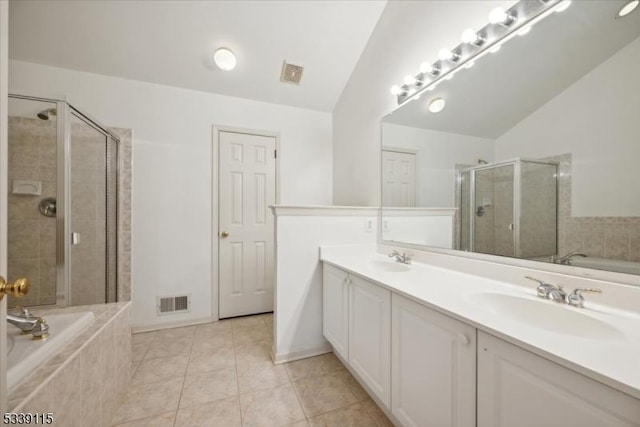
pixel 224 234
pixel 19 288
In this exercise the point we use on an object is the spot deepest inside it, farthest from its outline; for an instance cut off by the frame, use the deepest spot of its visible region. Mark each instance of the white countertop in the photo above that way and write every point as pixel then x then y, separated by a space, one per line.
pixel 614 360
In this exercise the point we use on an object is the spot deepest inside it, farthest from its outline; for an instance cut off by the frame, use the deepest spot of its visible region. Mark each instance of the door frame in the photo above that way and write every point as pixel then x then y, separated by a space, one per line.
pixel 4 173
pixel 416 155
pixel 215 205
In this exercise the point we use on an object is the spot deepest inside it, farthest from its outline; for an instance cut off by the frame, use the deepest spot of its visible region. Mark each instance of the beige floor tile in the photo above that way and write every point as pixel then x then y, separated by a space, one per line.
pixel 148 400
pixel 169 346
pixel 221 325
pixel 351 416
pixel 219 413
pixel 163 420
pixel 268 408
pixel 247 322
pixel 186 331
pixel 213 340
pixel 319 394
pixel 314 366
pixel 376 414
pixel 303 423
pixel 142 338
pixel 260 376
pixel 208 386
pixel 358 392
pixel 134 368
pixel 138 350
pixel 258 332
pixel 252 352
pixel 212 360
pixel 160 369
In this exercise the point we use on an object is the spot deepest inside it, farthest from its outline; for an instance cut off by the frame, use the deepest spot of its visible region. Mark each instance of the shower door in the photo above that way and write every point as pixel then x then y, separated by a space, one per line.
pixel 493 216
pixel 92 219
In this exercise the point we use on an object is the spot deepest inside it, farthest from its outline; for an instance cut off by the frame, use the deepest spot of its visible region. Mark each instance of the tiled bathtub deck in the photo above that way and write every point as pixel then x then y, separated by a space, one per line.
pixel 220 374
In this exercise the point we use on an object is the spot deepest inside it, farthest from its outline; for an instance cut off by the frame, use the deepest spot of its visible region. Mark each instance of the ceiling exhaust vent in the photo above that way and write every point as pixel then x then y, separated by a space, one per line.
pixel 173 304
pixel 291 73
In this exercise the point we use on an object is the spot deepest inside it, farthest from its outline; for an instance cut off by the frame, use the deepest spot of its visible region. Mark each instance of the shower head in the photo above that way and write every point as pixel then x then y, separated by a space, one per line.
pixel 46 114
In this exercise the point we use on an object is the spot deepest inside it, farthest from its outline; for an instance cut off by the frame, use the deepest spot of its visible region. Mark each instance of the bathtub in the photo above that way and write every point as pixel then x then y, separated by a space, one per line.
pixel 628 267
pixel 25 355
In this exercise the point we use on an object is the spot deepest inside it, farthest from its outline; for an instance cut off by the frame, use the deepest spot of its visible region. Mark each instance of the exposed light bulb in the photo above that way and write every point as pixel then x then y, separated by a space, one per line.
pixel 436 105
pixel 224 59
pixel 470 36
pixel 524 30
pixel 409 80
pixel 426 68
pixel 628 8
pixel 446 55
pixel 396 90
pixel 499 16
pixel 470 64
pixel 563 5
pixel 495 48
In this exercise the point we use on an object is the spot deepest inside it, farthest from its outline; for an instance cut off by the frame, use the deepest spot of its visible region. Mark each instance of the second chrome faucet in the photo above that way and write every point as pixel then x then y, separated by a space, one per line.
pixel 556 293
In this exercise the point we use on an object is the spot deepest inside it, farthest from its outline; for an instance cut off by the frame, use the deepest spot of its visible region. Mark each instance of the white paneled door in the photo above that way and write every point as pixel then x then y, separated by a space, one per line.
pixel 247 187
pixel 399 179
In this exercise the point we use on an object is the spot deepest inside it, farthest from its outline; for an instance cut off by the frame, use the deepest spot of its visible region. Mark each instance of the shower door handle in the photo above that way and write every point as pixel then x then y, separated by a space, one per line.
pixel 75 238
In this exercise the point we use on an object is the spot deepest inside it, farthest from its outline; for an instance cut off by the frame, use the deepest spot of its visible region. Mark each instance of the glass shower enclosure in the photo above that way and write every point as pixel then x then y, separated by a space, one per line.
pixel 62 203
pixel 509 208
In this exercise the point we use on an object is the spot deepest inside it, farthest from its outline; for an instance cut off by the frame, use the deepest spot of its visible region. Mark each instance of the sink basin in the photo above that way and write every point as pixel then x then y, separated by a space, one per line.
pixel 547 315
pixel 387 266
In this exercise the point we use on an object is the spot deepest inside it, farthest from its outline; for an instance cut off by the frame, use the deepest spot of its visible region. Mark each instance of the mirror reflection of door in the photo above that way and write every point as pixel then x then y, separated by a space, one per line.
pixel 399 179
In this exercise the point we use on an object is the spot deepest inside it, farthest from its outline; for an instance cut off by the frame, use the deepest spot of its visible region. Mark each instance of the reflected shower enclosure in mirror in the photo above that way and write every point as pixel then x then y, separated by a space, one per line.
pixel 535 152
pixel 62 204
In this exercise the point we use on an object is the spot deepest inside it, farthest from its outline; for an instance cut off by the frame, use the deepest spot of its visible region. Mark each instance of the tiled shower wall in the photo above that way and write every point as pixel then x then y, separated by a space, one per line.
pixel 31 235
pixel 602 237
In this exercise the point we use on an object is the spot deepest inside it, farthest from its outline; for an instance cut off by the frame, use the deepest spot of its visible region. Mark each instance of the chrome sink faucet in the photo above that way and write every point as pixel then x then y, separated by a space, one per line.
pixel 549 291
pixel 403 258
pixel 566 260
pixel 575 298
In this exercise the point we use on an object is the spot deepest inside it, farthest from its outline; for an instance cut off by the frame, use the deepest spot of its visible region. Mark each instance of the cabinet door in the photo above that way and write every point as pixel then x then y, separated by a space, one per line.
pixel 519 388
pixel 433 367
pixel 370 336
pixel 335 309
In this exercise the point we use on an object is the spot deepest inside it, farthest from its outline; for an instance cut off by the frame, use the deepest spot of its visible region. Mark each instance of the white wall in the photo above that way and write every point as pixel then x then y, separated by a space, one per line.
pixel 597 120
pixel 298 322
pixel 172 205
pixel 438 153
pixel 407 33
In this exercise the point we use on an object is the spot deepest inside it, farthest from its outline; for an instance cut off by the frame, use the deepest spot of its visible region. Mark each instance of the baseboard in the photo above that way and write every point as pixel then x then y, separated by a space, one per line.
pixel 297 355
pixel 170 325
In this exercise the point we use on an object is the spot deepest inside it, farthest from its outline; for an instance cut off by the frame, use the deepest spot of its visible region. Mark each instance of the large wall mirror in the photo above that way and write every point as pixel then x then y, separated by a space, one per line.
pixel 532 153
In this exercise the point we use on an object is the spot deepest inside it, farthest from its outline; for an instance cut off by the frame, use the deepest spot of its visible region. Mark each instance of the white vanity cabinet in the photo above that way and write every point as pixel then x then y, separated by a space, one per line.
pixel 519 388
pixel 335 309
pixel 370 336
pixel 433 367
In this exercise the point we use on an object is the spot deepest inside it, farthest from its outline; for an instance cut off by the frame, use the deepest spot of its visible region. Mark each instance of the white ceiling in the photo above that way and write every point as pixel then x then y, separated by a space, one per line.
pixel 504 88
pixel 172 42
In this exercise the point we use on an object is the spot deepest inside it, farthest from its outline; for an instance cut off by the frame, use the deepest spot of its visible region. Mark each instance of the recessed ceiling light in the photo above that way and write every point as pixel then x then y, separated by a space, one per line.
pixel 224 59
pixel 563 5
pixel 628 8
pixel 436 105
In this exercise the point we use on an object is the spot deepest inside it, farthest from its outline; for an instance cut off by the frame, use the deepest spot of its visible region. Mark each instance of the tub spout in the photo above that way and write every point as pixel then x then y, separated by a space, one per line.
pixel 25 321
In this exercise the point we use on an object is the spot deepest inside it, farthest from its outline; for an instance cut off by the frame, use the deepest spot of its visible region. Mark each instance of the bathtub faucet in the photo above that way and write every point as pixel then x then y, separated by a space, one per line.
pixel 566 260
pixel 25 320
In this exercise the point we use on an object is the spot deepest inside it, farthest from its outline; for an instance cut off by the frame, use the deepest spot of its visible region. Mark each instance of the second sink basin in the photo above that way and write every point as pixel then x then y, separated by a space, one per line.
pixel 387 266
pixel 547 315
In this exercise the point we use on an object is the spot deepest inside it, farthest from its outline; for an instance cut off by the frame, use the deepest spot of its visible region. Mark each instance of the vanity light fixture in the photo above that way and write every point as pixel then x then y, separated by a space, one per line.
pixel 224 59
pixel 504 25
pixel 499 16
pixel 629 7
pixel 436 105
pixel 471 37
pixel 563 5
pixel 448 55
